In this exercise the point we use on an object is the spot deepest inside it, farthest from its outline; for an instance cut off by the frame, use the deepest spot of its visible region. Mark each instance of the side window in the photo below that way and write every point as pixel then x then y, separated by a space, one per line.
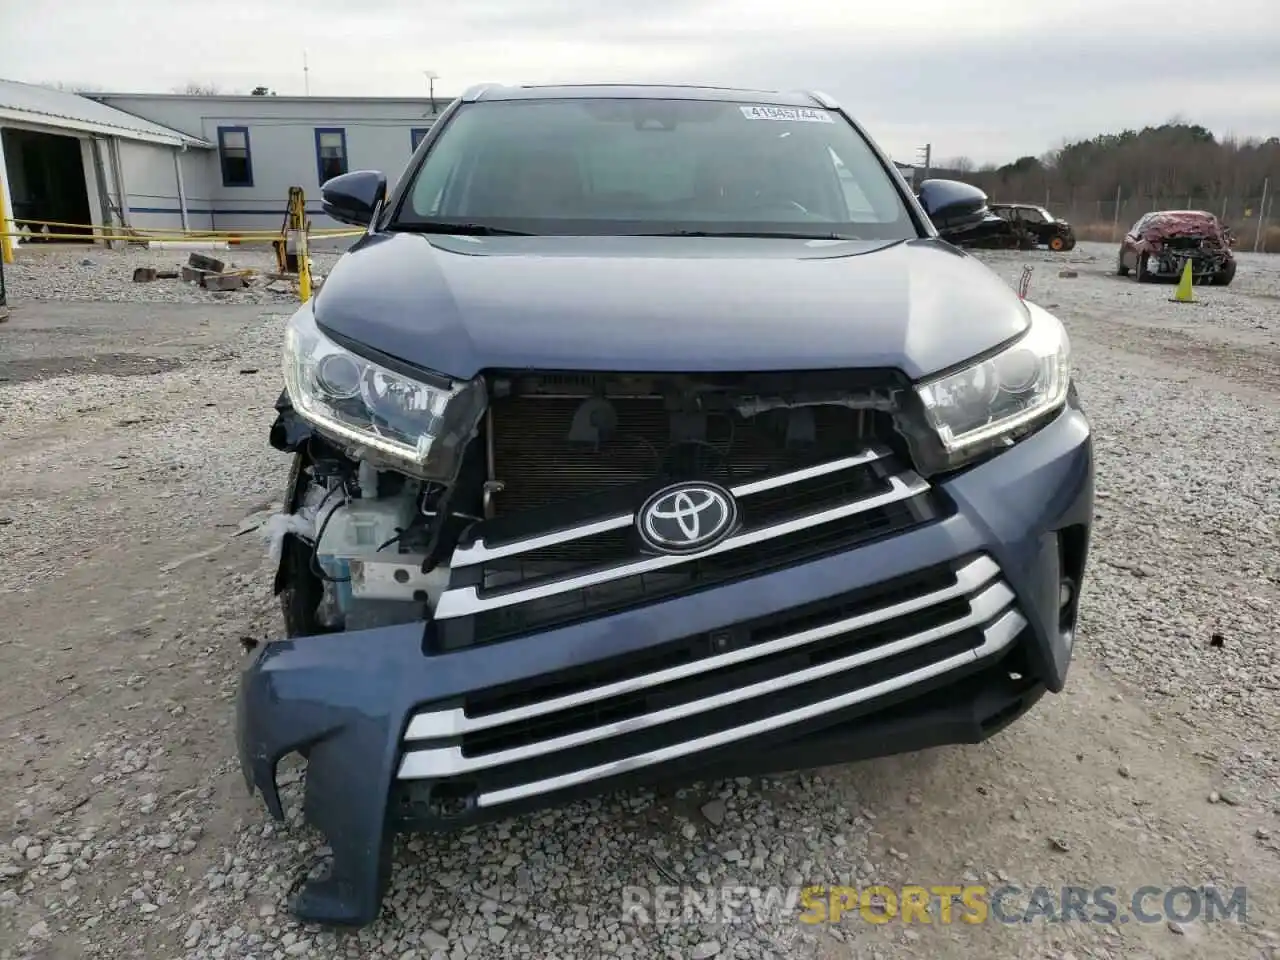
pixel 234 156
pixel 331 152
pixel 416 135
pixel 1142 222
pixel 1004 213
pixel 1030 214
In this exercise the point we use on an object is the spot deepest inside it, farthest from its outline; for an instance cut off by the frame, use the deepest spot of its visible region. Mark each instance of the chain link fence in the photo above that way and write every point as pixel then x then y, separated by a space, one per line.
pixel 1106 220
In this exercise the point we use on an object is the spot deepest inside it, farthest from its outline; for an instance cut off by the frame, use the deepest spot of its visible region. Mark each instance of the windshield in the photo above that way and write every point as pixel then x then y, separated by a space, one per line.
pixel 604 167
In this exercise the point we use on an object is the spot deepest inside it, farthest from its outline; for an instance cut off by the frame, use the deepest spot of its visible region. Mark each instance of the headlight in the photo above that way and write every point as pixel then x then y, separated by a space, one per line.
pixel 373 410
pixel 985 402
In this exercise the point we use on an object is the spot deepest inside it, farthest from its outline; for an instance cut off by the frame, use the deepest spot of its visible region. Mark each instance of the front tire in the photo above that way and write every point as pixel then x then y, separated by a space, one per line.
pixel 1142 274
pixel 1224 277
pixel 299 589
pixel 1121 269
pixel 1057 244
pixel 300 598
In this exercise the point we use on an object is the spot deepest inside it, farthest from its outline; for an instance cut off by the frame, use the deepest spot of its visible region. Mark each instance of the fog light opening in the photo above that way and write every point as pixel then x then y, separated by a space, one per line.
pixel 450 800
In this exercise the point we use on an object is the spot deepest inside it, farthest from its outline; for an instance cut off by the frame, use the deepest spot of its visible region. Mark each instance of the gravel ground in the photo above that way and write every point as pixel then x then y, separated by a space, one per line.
pixel 134 446
pixel 88 275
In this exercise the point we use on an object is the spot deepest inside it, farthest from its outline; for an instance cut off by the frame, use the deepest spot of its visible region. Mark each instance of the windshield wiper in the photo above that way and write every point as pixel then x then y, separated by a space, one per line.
pixel 459 229
pixel 766 234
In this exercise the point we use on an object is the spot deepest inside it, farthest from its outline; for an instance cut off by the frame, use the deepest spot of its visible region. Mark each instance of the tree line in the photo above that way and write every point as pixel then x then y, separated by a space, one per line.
pixel 1172 160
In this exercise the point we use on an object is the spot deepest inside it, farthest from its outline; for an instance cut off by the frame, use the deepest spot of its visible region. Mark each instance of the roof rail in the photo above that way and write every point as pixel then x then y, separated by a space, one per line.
pixel 823 100
pixel 476 91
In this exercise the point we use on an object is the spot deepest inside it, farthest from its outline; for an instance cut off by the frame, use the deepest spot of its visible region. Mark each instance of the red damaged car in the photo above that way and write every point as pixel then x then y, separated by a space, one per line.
pixel 1160 243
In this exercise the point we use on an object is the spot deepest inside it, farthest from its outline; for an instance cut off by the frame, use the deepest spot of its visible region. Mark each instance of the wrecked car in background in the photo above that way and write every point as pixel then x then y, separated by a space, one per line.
pixel 1160 243
pixel 993 233
pixel 1048 230
pixel 986 229
pixel 639 440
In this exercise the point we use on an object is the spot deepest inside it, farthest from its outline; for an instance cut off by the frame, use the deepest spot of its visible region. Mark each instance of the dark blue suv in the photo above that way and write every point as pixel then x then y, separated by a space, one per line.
pixel 652 432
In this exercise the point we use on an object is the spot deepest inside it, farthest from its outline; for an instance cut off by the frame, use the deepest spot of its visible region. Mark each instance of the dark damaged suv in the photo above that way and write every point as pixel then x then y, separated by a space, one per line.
pixel 652 433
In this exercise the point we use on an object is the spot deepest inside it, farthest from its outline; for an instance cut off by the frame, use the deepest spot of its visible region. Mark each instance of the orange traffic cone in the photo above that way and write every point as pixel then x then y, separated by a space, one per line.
pixel 1183 293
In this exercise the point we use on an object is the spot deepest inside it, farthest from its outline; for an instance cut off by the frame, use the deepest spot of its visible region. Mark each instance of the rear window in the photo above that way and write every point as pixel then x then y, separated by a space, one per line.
pixel 623 166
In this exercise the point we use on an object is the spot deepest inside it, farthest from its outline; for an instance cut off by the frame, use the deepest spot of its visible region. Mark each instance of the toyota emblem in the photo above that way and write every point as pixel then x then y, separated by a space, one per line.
pixel 687 517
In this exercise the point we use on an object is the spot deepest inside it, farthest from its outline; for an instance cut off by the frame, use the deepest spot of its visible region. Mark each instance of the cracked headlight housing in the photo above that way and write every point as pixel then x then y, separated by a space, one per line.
pixel 376 413
pixel 988 404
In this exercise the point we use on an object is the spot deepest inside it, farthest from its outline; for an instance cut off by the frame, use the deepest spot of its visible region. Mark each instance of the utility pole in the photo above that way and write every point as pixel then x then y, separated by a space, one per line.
pixel 927 153
pixel 1262 215
pixel 432 77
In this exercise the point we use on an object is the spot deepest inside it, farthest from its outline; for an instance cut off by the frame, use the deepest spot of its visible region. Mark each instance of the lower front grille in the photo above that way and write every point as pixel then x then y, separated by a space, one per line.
pixel 754 678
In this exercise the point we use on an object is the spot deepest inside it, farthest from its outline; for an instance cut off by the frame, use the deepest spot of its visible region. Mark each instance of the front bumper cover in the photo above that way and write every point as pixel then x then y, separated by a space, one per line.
pixel 345 700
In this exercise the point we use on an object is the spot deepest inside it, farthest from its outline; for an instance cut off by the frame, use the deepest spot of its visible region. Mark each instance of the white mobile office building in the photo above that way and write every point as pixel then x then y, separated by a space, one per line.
pixel 263 145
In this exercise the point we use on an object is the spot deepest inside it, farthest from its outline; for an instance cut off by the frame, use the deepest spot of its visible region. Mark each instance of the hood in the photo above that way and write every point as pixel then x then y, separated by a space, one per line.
pixel 460 305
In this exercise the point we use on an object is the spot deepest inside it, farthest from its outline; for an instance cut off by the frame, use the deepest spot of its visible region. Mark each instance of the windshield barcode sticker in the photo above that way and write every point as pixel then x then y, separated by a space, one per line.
pixel 795 114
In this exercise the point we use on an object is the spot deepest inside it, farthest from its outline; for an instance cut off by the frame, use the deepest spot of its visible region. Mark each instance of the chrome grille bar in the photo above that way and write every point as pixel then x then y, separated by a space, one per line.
pixel 467 601
pixel 449 723
pixel 479 552
pixel 450 761
pixel 997 637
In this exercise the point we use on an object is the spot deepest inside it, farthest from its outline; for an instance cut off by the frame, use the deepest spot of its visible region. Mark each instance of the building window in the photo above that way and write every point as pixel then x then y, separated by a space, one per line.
pixel 416 135
pixel 331 152
pixel 233 152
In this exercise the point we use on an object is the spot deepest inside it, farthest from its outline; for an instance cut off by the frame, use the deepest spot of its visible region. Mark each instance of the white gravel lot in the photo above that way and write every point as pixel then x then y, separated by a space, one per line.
pixel 47 272
pixel 133 421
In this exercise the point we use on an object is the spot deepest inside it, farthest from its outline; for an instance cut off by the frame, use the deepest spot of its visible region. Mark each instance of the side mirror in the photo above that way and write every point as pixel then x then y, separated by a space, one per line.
pixel 953 205
pixel 352 197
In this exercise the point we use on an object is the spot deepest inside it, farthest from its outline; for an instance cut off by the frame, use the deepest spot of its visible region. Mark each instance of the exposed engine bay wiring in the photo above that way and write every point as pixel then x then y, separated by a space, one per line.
pixel 315 563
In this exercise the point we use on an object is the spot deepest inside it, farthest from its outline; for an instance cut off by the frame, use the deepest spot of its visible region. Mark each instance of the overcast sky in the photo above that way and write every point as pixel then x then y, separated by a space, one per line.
pixel 989 80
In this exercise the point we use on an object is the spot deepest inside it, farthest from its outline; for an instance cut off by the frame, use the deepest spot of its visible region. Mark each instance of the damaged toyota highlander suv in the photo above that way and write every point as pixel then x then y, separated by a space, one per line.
pixel 652 433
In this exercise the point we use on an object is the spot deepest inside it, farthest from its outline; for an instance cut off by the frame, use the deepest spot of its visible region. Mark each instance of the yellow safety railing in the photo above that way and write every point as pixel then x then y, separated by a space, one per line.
pixel 296 226
pixel 194 238
pixel 98 232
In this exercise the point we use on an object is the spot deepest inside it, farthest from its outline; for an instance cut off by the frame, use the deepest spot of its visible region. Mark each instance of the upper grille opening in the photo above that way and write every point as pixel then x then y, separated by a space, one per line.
pixel 559 437
pixel 813 460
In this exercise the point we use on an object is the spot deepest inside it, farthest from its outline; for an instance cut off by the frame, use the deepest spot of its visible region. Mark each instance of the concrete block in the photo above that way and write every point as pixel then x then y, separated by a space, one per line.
pixel 144 274
pixel 201 262
pixel 213 281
